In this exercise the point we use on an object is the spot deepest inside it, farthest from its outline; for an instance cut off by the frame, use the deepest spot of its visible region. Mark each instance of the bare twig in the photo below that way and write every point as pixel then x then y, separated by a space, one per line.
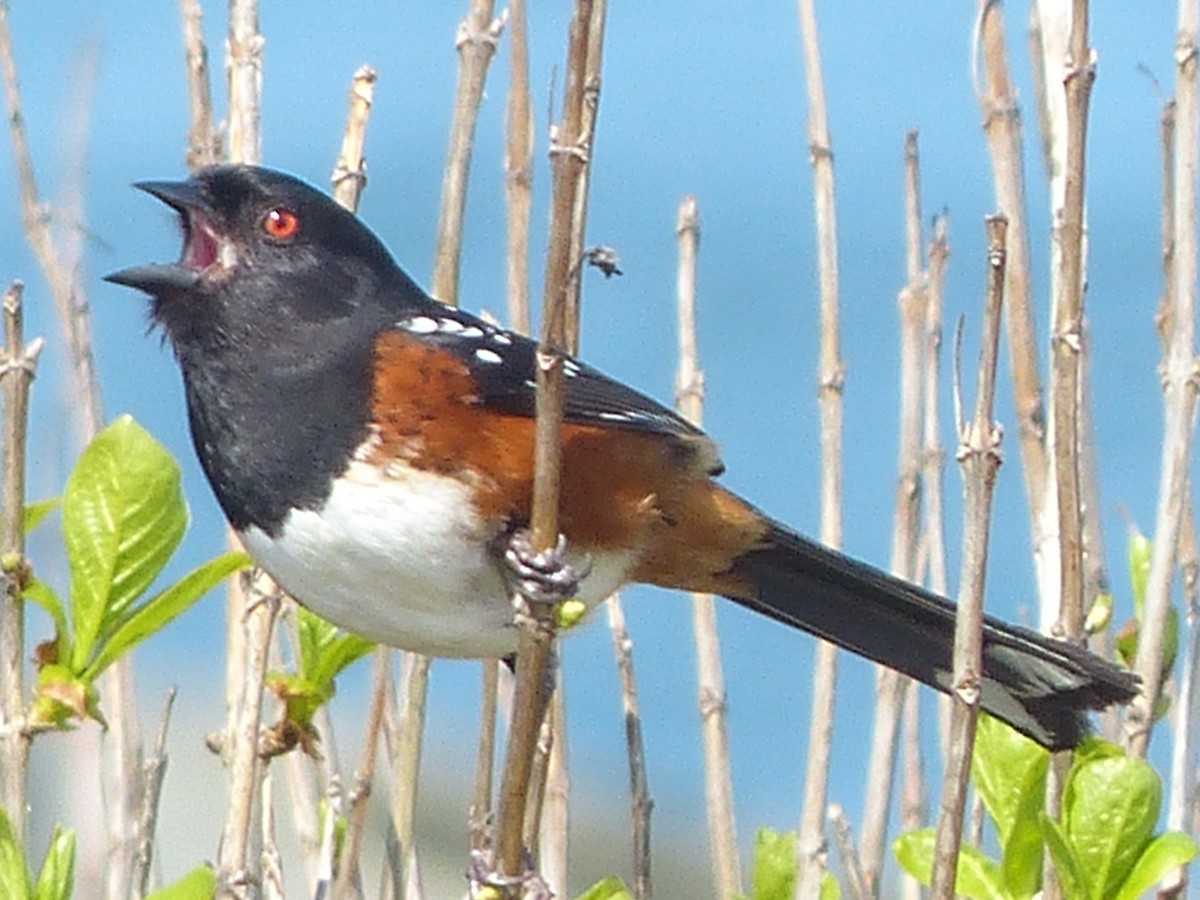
pixel 1180 384
pixel 481 805
pixel 518 170
pixel 689 400
pixel 1002 128
pixel 236 866
pixel 639 792
pixel 811 852
pixel 350 172
pixel 912 775
pixel 203 144
pixel 979 456
pixel 933 458
pixel 1066 342
pixel 476 42
pixel 348 864
pixel 535 643
pixel 414 678
pixel 16 376
pixel 548 812
pixel 843 839
pixel 36 219
pixel 244 66
pixel 154 770
pixel 889 687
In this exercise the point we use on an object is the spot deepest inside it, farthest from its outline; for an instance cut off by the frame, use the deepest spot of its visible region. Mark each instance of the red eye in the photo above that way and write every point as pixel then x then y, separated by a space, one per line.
pixel 281 224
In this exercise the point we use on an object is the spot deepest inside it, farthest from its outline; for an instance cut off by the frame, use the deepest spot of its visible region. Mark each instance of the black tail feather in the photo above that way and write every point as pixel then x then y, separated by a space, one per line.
pixel 1040 686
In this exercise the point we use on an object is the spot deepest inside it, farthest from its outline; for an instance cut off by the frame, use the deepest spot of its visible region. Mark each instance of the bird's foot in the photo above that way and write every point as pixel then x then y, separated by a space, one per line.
pixel 542 577
pixel 488 884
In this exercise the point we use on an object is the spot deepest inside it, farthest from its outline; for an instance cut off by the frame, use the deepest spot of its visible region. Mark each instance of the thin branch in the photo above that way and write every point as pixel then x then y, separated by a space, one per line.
pixel 1002 128
pixel 843 839
pixel 568 158
pixel 889 685
pixel 236 868
pixel 203 143
pixel 346 886
pixel 710 681
pixel 933 539
pixel 811 851
pixel 16 376
pixel 1066 341
pixel 1180 382
pixel 154 770
pixel 350 171
pixel 485 760
pixel 548 814
pixel 912 775
pixel 518 170
pixel 640 803
pixel 244 66
pixel 414 669
pixel 476 42
pixel 979 456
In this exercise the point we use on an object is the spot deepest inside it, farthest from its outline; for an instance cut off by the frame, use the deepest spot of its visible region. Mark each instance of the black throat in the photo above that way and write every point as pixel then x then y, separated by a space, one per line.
pixel 273 427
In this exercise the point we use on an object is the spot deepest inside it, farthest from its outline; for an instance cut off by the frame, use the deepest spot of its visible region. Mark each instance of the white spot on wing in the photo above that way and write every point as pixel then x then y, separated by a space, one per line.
pixel 420 325
pixel 450 326
pixel 501 337
pixel 473 331
pixel 488 356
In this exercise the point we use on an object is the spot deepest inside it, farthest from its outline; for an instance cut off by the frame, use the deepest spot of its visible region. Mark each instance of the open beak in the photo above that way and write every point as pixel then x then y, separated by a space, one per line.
pixel 202 245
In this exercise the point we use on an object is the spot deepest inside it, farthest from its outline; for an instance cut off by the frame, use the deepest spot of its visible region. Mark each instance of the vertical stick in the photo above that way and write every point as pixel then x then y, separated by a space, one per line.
pixel 979 455
pixel 16 376
pixel 1180 379
pixel 203 145
pixel 1002 129
pixel 689 400
pixel 811 853
pixel 518 170
pixel 476 44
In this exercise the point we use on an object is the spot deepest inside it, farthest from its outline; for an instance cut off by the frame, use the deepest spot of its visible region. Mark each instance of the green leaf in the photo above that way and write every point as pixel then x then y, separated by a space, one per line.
pixel 325 649
pixel 611 888
pixel 62 696
pixel 198 884
pixel 123 517
pixel 830 889
pixel 57 881
pixel 1066 865
pixel 1009 771
pixel 14 877
pixel 1110 807
pixel 158 612
pixel 914 853
pixel 1138 550
pixel 977 877
pixel 774 876
pixel 1165 852
pixel 36 513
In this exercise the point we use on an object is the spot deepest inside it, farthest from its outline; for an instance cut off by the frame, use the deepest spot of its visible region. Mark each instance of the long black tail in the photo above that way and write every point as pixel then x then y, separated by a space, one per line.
pixel 1042 687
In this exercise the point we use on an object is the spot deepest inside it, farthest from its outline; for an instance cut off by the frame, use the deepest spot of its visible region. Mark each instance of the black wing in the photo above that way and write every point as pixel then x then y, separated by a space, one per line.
pixel 504 365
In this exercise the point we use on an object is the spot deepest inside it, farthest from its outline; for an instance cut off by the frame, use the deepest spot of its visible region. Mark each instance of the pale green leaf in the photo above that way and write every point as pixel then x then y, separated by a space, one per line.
pixel 123 517
pixel 774 876
pixel 14 876
pixel 1165 852
pixel 1110 808
pixel 36 513
pixel 977 877
pixel 1009 772
pixel 198 884
pixel 57 880
pixel 41 594
pixel 158 612
pixel 1066 865
pixel 611 888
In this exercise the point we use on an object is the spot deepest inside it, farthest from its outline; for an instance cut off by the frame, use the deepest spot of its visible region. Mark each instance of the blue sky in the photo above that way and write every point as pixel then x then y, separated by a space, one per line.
pixel 696 99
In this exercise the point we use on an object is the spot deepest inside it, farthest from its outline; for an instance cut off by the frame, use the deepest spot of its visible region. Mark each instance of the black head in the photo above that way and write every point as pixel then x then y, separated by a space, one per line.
pixel 263 253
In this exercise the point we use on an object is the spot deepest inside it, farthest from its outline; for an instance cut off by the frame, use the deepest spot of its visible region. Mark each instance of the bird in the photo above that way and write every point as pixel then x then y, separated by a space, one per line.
pixel 372 448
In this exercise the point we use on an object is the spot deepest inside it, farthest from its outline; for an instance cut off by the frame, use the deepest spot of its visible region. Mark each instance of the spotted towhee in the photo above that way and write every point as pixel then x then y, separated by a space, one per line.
pixel 373 449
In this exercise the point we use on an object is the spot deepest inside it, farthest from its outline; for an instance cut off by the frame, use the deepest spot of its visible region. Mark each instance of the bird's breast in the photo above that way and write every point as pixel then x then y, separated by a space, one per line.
pixel 404 557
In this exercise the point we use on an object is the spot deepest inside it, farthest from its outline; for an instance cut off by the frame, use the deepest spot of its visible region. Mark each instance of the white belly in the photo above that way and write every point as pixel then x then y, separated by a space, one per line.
pixel 404 560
